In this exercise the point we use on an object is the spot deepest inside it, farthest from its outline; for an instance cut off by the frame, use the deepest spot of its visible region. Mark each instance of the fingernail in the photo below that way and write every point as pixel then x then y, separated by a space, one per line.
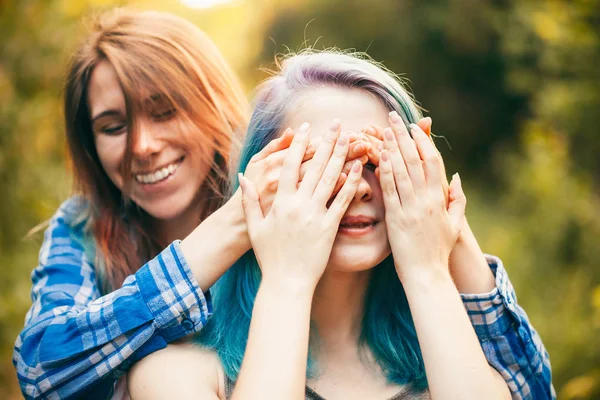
pixel 457 177
pixel 414 128
pixel 395 118
pixel 342 140
pixel 241 180
pixel 359 148
pixel 304 128
pixel 429 120
pixel 335 125
pixel 389 135
pixel 384 156
pixel 356 166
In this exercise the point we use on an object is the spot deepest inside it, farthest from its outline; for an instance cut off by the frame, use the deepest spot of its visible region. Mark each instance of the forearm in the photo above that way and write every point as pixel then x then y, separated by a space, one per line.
pixel 217 243
pixel 468 266
pixel 454 361
pixel 159 304
pixel 274 364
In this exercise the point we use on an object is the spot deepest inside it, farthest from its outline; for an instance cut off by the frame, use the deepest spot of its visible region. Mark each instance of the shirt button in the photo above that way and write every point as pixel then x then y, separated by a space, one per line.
pixel 187 324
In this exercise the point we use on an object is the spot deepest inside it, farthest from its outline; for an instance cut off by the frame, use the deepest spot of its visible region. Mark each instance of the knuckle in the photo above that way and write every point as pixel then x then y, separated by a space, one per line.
pixel 389 189
pixel 254 158
pixel 413 161
pixel 432 159
pixel 329 179
pixel 344 198
pixel 402 176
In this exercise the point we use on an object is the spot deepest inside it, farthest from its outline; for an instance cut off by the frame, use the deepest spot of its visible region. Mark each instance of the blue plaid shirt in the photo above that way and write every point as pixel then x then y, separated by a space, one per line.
pixel 77 343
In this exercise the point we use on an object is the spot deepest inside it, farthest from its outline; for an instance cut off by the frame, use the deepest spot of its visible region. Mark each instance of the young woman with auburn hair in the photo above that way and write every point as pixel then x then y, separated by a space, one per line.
pixel 360 294
pixel 153 115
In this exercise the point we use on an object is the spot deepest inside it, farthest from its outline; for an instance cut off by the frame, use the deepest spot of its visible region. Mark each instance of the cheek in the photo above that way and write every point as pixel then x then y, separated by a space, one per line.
pixel 111 150
pixel 200 165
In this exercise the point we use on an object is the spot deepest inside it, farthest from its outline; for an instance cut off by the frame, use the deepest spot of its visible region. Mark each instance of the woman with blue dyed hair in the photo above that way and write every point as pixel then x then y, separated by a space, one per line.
pixel 353 294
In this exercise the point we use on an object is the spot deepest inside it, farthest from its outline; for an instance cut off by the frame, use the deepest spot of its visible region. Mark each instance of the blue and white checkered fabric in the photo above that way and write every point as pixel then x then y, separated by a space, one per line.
pixel 76 343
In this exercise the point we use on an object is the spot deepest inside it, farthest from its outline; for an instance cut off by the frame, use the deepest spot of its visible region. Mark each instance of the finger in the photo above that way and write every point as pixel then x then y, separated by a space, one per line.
pixel 320 160
pixel 409 153
pixel 458 204
pixel 291 165
pixel 375 150
pixel 404 184
pixel 432 162
pixel 391 200
pixel 358 149
pixel 311 148
pixel 275 145
pixel 425 125
pixel 333 170
pixel 374 131
pixel 348 164
pixel 250 201
pixel 343 199
pixel 352 136
pixel 340 183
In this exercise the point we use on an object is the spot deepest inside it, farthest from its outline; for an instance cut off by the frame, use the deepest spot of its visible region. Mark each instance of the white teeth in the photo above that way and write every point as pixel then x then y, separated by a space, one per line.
pixel 158 175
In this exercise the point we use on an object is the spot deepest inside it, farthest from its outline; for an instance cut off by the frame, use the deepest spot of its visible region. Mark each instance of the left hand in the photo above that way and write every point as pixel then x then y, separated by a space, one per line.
pixel 422 231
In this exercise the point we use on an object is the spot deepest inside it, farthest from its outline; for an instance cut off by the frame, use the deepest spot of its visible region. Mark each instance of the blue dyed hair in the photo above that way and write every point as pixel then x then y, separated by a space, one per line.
pixel 387 327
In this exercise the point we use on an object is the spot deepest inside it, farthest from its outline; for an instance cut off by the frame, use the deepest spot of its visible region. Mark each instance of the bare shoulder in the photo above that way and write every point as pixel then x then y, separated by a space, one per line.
pixel 501 383
pixel 180 371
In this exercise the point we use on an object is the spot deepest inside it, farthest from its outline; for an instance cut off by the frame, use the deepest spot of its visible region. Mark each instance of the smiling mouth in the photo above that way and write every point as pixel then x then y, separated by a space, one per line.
pixel 160 174
pixel 358 225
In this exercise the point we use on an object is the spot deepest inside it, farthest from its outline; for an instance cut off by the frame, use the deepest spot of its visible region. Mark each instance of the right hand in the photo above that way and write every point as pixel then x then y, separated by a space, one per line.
pixel 284 241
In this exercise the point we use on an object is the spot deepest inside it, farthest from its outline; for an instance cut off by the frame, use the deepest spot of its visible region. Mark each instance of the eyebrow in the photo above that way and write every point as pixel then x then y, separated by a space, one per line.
pixel 105 114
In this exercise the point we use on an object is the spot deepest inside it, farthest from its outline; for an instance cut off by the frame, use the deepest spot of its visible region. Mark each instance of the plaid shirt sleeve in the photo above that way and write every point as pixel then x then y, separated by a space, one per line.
pixel 77 343
pixel 509 341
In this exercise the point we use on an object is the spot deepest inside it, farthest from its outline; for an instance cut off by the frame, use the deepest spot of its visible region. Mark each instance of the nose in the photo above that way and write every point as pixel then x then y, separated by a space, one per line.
pixel 146 143
pixel 364 191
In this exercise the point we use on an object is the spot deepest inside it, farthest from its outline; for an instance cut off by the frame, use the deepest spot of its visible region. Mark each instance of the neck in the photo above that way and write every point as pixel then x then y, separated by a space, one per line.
pixel 338 309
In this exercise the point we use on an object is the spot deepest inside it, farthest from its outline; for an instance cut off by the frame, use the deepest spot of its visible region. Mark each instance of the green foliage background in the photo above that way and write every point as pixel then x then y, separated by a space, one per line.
pixel 513 85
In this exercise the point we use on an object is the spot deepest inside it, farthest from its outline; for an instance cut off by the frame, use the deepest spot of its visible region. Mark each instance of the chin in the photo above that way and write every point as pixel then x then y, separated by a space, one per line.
pixel 357 258
pixel 167 209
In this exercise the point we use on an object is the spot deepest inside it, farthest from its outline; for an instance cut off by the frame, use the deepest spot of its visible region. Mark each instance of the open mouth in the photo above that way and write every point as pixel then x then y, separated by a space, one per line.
pixel 361 225
pixel 160 174
pixel 357 225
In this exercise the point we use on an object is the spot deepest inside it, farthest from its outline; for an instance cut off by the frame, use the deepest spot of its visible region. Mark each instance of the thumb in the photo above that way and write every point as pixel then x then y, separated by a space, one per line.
pixel 250 201
pixel 457 204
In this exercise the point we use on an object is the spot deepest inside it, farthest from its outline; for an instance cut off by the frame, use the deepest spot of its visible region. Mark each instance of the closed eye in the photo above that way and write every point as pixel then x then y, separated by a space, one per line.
pixel 162 115
pixel 116 129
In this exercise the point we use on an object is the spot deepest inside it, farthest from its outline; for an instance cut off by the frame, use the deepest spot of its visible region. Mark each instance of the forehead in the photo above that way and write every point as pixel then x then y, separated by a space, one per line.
pixel 356 108
pixel 104 91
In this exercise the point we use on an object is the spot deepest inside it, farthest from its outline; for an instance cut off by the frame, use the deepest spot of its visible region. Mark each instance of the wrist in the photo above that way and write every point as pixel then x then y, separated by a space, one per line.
pixel 287 288
pixel 215 244
pixel 234 217
pixel 468 266
pixel 426 276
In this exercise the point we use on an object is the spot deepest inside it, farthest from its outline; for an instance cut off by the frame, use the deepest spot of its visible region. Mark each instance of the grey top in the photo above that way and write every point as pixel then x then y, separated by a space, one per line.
pixel 406 393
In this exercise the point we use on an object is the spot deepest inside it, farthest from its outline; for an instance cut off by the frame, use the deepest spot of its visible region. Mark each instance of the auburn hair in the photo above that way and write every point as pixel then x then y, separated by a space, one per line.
pixel 153 54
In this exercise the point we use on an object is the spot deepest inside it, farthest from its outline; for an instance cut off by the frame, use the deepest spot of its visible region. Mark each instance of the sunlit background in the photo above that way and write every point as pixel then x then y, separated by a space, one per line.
pixel 514 86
